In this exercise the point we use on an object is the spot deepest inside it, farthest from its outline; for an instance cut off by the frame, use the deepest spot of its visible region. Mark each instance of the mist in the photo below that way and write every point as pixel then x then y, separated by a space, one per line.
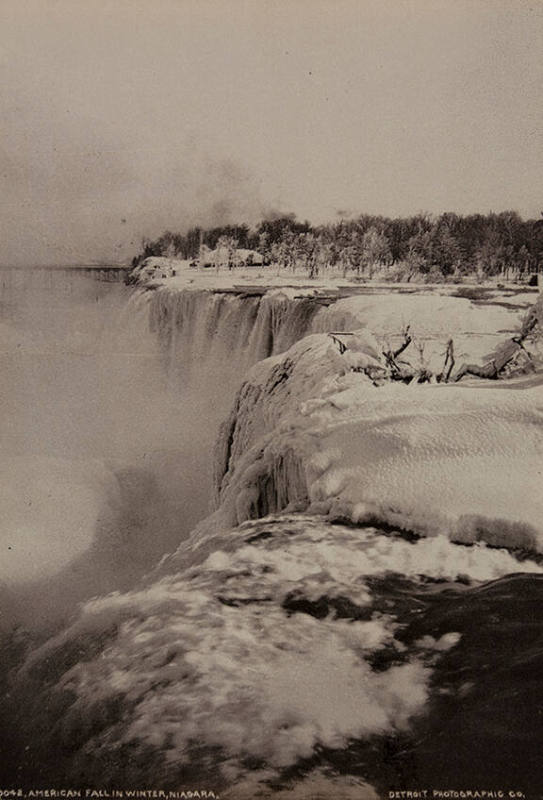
pixel 105 459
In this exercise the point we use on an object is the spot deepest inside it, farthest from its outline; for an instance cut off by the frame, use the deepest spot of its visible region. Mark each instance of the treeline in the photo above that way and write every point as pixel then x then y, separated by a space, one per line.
pixel 435 247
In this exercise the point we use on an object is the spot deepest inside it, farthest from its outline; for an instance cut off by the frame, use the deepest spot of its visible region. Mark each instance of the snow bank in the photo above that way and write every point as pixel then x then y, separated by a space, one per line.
pixel 428 314
pixel 433 319
pixel 175 275
pixel 427 458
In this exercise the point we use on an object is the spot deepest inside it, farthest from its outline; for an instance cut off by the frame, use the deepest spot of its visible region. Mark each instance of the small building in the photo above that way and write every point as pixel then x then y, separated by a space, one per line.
pixel 240 257
pixel 154 268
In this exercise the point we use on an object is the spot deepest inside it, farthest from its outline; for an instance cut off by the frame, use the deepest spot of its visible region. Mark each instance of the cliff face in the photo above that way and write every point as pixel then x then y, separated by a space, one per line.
pixel 429 459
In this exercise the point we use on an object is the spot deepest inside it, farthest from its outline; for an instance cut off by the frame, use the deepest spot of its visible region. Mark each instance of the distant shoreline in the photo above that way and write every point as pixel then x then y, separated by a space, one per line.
pixel 65 266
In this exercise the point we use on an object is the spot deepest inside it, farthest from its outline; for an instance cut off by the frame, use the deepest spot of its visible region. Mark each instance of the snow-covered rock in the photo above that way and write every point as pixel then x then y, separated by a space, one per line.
pixel 308 431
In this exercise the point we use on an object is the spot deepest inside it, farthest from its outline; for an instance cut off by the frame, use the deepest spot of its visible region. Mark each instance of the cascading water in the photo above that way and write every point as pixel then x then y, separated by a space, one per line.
pixel 208 340
pixel 218 335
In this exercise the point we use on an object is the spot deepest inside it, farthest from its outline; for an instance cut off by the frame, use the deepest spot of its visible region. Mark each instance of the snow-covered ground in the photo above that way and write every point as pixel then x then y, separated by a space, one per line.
pixel 434 459
pixel 178 274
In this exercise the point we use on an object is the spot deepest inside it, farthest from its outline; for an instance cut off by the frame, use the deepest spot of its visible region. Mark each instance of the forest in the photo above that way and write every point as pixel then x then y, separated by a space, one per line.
pixel 432 248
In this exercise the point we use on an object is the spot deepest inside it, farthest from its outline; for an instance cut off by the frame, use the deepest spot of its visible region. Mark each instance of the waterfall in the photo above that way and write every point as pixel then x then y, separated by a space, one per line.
pixel 208 340
pixel 224 333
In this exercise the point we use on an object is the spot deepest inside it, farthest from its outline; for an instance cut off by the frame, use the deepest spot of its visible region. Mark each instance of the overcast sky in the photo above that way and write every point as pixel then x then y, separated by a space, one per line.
pixel 122 118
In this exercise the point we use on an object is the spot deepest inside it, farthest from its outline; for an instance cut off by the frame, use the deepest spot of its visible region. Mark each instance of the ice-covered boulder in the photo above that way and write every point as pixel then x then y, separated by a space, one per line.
pixel 308 431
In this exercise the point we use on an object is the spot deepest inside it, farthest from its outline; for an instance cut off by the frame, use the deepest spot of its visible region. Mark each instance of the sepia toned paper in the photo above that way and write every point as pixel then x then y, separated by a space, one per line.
pixel 270 404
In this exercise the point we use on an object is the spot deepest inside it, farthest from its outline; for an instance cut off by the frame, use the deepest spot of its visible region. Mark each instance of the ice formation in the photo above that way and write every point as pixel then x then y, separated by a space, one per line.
pixel 430 459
